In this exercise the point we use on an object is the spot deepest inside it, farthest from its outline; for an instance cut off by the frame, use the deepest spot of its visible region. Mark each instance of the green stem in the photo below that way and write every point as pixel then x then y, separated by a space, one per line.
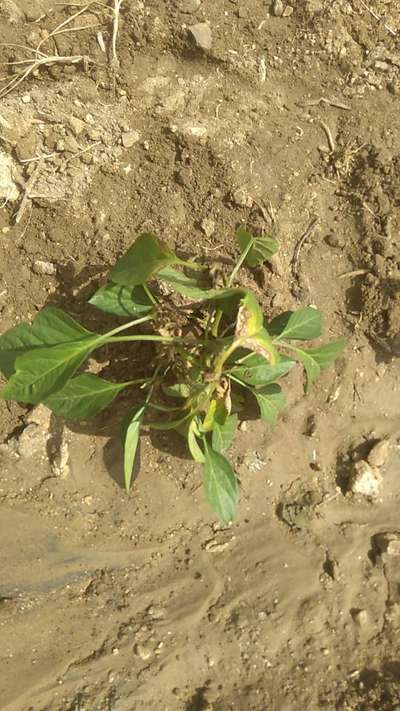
pixel 150 295
pixel 239 263
pixel 159 339
pixel 124 327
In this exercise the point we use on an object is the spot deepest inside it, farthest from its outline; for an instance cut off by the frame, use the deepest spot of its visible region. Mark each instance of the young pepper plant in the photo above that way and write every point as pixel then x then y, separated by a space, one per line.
pixel 210 342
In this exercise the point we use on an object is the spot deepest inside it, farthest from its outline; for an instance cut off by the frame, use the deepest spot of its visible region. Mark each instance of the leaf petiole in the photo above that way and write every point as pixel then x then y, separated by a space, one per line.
pixel 239 263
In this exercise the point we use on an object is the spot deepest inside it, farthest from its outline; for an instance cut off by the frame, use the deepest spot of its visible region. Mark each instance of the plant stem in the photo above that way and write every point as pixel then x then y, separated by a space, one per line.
pixel 159 339
pixel 149 294
pixel 125 326
pixel 239 263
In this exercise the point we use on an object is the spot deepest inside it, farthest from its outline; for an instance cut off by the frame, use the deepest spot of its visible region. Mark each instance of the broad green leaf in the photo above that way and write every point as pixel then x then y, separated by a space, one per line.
pixel 13 343
pixel 317 359
pixel 43 371
pixel 223 435
pixel 194 447
pixel 262 248
pixel 311 367
pixel 122 300
pixel 143 259
pixel 189 286
pixel 302 325
pixel 220 484
pixel 130 431
pixel 271 401
pixel 83 397
pixel 327 354
pixel 255 370
pixel 177 390
pixel 50 327
pixel 54 327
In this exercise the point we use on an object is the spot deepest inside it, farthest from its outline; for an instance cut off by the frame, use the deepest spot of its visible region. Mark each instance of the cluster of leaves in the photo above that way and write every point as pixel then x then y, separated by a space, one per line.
pixel 210 342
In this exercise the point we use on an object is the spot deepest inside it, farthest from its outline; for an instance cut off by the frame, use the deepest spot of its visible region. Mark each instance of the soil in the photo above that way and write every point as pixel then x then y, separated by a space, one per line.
pixel 142 602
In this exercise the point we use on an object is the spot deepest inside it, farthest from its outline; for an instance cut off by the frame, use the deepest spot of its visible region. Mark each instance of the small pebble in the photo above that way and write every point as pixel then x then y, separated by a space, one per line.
pixel 26 99
pixel 208 226
pixel 143 651
pixel 44 268
pixel 365 480
pixel 379 453
pixel 201 33
pixel 360 617
pixel 130 138
pixel 277 8
pixel 241 198
pixel 288 11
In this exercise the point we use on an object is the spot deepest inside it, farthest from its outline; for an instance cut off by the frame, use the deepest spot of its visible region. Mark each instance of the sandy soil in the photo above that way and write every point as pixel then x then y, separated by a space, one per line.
pixel 286 113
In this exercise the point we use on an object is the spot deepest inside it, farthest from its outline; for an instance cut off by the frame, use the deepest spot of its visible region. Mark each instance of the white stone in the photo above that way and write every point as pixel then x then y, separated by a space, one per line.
pixel 365 480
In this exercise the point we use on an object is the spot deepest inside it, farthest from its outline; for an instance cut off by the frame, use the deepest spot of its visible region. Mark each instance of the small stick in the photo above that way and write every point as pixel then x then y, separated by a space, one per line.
pixel 300 243
pixel 84 150
pixel 327 130
pixel 117 8
pixel 379 18
pixel 29 185
pixel 328 102
pixel 34 64
pixel 63 24
pixel 356 272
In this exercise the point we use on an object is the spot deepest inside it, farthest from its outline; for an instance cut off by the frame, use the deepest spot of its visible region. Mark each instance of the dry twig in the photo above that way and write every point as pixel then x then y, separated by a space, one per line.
pixel 379 18
pixel 299 245
pixel 29 185
pixel 329 136
pixel 117 8
pixel 34 64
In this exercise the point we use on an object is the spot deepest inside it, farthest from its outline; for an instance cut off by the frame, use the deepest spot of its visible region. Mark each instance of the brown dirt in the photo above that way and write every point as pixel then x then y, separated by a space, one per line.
pixel 124 603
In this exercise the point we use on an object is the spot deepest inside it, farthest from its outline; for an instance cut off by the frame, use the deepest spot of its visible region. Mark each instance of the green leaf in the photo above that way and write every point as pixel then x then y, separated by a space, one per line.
pixel 255 370
pixel 301 325
pixel 53 326
pixel 271 401
pixel 130 431
pixel 189 287
pixel 176 390
pixel 143 259
pixel 317 359
pixel 50 327
pixel 327 354
pixel 83 397
pixel 194 447
pixel 262 248
pixel 40 372
pixel 122 300
pixel 311 367
pixel 220 484
pixel 223 434
pixel 13 343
